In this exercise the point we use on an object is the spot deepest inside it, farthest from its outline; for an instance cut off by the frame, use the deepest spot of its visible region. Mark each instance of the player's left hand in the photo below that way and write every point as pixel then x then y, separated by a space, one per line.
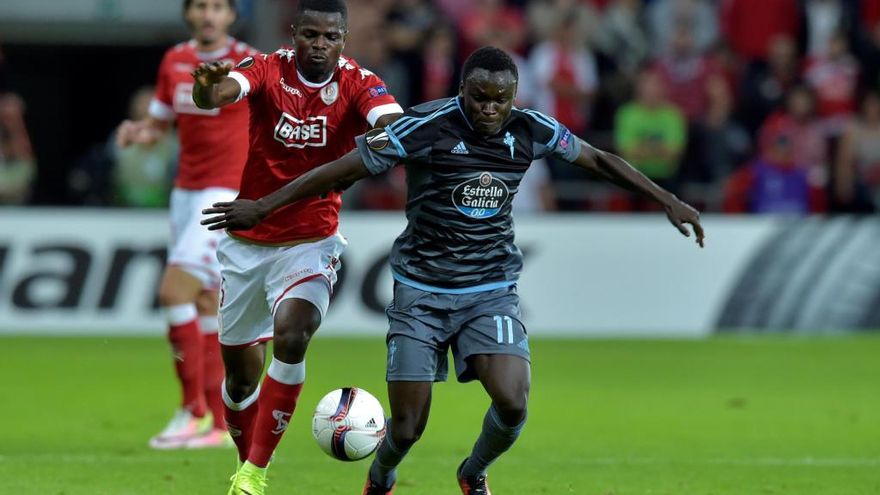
pixel 241 214
pixel 681 213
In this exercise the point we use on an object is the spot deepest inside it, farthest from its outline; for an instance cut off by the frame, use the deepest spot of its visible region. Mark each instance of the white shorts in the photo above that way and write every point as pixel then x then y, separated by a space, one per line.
pixel 255 279
pixel 192 247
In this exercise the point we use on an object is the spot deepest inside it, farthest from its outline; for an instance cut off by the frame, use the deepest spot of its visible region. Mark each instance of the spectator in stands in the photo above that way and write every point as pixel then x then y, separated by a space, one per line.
pixel 17 164
pixel 438 73
pixel 834 76
pixel 857 168
pixel 765 84
pixel 143 174
pixel 664 16
pixel 491 18
pixel 824 18
pixel 407 23
pixel 565 76
pixel 797 122
pixel 622 38
pixel 750 25
pixel 650 132
pixel 689 75
pixel 773 183
pixel 545 15
pixel 868 50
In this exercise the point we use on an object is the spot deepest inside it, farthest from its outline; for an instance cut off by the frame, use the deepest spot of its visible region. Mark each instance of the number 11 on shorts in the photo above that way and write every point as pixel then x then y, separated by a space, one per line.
pixel 499 321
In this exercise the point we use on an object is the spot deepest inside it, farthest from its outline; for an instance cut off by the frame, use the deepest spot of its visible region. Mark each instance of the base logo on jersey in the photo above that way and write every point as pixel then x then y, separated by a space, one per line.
pixel 377 139
pixel 330 93
pixel 295 133
pixel 481 197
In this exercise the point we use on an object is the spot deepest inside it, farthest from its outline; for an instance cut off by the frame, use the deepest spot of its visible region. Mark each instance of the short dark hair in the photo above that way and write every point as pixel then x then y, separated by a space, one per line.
pixel 188 3
pixel 329 6
pixel 490 58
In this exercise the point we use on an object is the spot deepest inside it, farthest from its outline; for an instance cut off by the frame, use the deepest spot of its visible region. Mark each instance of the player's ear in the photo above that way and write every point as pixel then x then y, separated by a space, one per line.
pixel 461 88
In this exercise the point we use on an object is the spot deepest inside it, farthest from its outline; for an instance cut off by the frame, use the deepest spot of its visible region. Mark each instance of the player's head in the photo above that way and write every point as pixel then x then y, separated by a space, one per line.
pixel 488 88
pixel 319 33
pixel 209 20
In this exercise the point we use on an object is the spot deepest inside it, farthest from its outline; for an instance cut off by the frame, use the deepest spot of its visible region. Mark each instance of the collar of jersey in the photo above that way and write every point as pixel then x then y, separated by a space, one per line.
pixel 310 84
pixel 464 115
pixel 220 52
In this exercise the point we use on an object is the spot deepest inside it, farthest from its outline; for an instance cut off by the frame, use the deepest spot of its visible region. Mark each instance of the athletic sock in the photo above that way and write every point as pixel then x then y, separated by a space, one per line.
pixel 212 370
pixel 186 344
pixel 278 397
pixel 494 440
pixel 240 418
pixel 383 470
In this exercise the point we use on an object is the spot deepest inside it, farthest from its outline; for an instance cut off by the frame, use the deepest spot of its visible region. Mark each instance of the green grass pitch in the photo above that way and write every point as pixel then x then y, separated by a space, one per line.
pixel 753 416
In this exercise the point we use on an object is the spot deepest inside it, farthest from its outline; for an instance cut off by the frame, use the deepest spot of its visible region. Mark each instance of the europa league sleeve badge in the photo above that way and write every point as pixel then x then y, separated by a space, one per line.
pixel 330 93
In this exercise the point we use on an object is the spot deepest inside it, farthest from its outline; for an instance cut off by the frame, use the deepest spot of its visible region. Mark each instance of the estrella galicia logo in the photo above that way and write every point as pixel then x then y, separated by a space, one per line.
pixel 482 197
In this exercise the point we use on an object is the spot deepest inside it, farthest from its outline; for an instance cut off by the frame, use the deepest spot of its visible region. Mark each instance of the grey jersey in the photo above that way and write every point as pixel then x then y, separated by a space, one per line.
pixel 459 236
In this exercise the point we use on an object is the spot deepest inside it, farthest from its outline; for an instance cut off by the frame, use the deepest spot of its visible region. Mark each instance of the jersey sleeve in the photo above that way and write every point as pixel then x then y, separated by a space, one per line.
pixel 162 105
pixel 250 74
pixel 407 140
pixel 549 137
pixel 372 97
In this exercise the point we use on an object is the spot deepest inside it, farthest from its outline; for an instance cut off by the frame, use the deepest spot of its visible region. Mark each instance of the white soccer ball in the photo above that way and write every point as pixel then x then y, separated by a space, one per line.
pixel 348 424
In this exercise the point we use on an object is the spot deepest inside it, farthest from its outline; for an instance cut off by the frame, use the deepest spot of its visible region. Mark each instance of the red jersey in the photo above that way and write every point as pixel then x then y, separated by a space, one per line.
pixel 297 125
pixel 213 143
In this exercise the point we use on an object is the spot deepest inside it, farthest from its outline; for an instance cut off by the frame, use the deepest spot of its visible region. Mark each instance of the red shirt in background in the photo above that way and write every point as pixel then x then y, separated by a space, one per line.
pixel 750 25
pixel 213 143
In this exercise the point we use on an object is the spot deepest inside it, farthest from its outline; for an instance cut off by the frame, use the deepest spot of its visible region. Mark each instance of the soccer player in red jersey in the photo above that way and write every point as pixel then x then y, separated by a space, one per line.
pixel 307 106
pixel 213 150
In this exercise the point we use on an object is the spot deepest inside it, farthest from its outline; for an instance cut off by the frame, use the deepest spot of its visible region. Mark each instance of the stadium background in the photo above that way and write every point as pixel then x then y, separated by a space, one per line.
pixel 769 123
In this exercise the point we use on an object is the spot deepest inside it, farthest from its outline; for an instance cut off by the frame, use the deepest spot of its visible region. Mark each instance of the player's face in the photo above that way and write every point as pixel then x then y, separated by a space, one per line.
pixel 318 39
pixel 209 19
pixel 488 99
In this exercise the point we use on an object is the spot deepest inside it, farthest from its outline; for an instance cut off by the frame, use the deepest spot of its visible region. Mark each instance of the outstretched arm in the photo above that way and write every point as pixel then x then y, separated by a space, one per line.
pixel 244 214
pixel 615 169
pixel 213 87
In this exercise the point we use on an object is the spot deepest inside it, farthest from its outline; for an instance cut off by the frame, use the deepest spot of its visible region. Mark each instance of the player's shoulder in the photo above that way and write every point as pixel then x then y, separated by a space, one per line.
pixel 426 116
pixel 537 126
pixel 353 73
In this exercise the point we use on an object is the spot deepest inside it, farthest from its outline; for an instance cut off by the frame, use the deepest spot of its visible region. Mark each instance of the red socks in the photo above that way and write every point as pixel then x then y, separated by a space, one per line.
pixel 186 342
pixel 278 396
pixel 240 420
pixel 212 366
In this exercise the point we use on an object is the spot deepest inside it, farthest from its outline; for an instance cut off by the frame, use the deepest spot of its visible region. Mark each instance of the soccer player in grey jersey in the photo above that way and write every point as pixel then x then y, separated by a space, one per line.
pixel 456 266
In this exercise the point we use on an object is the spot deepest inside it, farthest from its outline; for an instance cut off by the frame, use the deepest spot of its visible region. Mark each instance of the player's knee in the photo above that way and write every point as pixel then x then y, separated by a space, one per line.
pixel 293 334
pixel 406 433
pixel 512 407
pixel 240 387
pixel 171 296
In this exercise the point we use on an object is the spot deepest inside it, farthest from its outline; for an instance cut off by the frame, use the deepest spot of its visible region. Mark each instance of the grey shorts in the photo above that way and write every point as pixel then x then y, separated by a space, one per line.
pixel 424 325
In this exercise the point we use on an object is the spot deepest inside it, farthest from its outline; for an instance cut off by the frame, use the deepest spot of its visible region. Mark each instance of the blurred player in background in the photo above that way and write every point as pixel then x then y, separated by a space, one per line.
pixel 213 150
pixel 456 266
pixel 307 106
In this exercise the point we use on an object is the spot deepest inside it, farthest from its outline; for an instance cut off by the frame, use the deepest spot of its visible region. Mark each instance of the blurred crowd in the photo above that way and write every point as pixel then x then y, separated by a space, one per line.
pixel 764 106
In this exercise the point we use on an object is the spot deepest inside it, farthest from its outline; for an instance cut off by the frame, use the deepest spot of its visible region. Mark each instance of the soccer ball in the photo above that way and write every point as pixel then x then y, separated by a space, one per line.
pixel 348 424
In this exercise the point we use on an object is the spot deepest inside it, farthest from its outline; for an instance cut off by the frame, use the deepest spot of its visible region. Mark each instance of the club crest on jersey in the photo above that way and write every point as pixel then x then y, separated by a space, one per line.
pixel 244 64
pixel 295 133
pixel 377 139
pixel 330 93
pixel 481 197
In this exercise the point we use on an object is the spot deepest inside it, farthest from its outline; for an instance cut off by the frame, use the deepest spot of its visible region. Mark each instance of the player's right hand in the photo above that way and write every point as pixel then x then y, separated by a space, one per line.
pixel 208 74
pixel 241 214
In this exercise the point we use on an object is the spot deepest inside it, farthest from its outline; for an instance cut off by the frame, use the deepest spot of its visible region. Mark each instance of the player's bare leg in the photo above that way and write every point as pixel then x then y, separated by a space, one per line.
pixel 410 407
pixel 506 379
pixel 178 292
